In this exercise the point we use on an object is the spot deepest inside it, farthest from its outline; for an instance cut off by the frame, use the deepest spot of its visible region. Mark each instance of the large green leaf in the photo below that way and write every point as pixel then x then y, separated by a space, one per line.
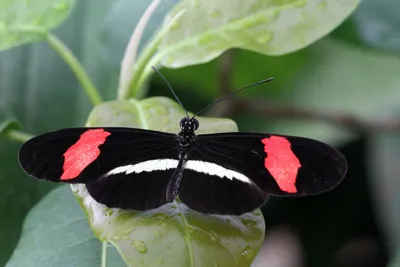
pixel 328 77
pixel 25 21
pixel 172 234
pixel 56 234
pixel 269 27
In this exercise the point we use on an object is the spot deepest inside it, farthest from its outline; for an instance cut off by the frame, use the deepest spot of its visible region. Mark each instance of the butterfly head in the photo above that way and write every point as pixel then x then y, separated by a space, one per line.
pixel 189 125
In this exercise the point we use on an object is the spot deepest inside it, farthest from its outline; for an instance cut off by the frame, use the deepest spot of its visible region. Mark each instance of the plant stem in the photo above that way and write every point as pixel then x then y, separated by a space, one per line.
pixel 76 67
pixel 18 136
pixel 128 60
pixel 134 86
pixel 104 254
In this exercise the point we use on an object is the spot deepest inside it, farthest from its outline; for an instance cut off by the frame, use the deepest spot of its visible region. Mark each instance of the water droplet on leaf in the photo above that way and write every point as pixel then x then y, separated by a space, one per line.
pixel 140 246
pixel 248 222
pixel 248 253
pixel 109 212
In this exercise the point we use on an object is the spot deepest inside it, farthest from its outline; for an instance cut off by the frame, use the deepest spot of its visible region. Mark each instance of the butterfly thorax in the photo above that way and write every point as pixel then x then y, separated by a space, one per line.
pixel 187 136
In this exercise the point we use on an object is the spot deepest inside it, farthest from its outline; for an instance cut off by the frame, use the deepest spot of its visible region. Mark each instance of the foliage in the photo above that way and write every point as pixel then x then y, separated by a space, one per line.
pixel 270 37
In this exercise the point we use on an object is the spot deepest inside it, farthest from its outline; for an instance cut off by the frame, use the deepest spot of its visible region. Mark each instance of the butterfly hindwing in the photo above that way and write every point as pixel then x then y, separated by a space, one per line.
pixel 121 167
pixel 234 172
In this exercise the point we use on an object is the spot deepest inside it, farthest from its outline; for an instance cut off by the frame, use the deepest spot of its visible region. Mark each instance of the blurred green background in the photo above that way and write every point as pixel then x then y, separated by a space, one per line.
pixel 344 89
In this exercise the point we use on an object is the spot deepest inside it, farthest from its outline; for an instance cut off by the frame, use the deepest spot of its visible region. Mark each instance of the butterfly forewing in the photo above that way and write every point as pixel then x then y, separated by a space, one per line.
pixel 122 167
pixel 235 171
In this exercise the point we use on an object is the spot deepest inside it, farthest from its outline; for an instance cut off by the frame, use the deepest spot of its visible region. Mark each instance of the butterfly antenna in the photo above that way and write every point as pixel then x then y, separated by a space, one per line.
pixel 233 93
pixel 170 88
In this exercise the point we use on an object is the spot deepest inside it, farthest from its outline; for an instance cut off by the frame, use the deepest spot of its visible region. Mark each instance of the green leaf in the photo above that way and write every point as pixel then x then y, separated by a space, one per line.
pixel 7 126
pixel 327 77
pixel 269 27
pixel 56 233
pixel 172 235
pixel 26 21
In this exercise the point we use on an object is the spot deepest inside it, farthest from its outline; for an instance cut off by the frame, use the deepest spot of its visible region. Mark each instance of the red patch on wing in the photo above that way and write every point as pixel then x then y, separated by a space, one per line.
pixel 281 162
pixel 83 152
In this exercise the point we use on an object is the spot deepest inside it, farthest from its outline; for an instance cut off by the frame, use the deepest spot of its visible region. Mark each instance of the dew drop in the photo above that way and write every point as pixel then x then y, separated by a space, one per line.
pixel 248 253
pixel 61 6
pixel 248 222
pixel 140 246
pixel 109 212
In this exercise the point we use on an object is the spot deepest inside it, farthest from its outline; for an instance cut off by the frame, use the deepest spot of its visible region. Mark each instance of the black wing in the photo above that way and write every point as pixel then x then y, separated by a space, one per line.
pixel 234 173
pixel 121 167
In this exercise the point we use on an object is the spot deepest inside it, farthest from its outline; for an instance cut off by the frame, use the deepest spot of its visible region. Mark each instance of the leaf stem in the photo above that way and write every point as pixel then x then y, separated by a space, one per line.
pixel 136 80
pixel 128 60
pixel 76 67
pixel 18 136
pixel 104 254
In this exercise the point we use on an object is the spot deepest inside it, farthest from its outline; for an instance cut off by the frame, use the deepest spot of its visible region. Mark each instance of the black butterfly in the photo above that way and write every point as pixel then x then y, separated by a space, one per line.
pixel 223 173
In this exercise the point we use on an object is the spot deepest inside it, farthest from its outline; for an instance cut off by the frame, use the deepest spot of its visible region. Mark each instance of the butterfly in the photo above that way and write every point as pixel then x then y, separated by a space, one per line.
pixel 222 173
